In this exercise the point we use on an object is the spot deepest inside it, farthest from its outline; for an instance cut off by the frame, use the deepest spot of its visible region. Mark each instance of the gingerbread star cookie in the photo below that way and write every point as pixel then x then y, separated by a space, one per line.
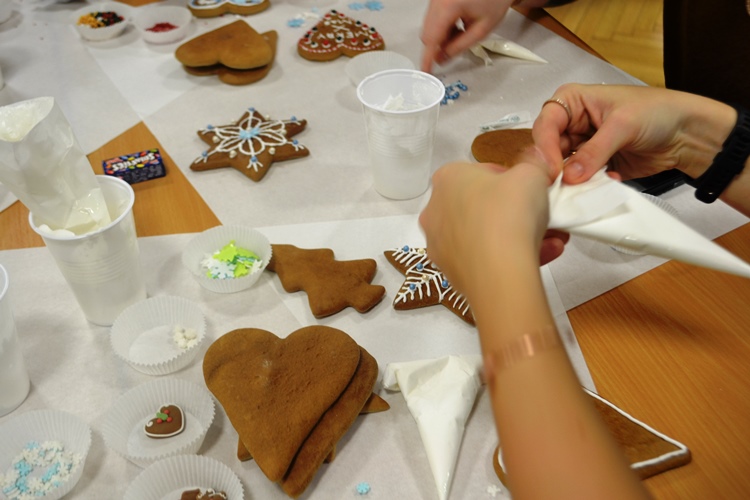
pixel 331 285
pixel 251 145
pixel 503 147
pixel 337 34
pixel 214 8
pixel 425 284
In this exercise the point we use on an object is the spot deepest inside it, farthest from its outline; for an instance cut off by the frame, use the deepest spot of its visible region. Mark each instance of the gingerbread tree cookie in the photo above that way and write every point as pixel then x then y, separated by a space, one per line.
pixel 331 285
pixel 425 284
pixel 337 34
pixel 251 145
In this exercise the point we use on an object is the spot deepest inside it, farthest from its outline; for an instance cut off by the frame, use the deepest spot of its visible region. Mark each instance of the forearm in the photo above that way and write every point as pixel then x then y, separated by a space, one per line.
pixel 554 444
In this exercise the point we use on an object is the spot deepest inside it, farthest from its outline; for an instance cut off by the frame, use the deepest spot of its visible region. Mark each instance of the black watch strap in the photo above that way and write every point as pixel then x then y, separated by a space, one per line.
pixel 728 163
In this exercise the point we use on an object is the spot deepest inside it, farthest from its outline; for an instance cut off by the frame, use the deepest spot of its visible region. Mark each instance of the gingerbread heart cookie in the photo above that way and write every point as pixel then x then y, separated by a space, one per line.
pixel 331 285
pixel 503 147
pixel 275 391
pixel 251 145
pixel 233 76
pixel 214 8
pixel 337 34
pixel 425 285
pixel 236 45
pixel 169 421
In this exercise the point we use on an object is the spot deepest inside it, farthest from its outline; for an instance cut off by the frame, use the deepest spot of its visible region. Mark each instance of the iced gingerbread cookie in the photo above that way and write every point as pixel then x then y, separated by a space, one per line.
pixel 169 421
pixel 214 8
pixel 337 34
pixel 425 284
pixel 198 494
pixel 251 145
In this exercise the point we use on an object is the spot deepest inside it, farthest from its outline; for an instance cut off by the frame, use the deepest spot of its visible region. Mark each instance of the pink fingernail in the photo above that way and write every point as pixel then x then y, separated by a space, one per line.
pixel 574 170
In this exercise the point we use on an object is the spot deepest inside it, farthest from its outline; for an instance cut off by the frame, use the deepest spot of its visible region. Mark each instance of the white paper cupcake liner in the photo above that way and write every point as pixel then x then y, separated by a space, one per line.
pixel 123 427
pixel 212 240
pixel 360 67
pixel 41 426
pixel 664 205
pixel 142 335
pixel 168 478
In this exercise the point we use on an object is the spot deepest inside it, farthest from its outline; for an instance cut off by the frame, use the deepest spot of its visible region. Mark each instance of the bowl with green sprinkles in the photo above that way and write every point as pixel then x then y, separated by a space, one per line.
pixel 227 259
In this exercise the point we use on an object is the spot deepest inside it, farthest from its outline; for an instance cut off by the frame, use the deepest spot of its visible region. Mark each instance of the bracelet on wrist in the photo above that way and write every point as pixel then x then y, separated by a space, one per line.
pixel 728 163
pixel 519 349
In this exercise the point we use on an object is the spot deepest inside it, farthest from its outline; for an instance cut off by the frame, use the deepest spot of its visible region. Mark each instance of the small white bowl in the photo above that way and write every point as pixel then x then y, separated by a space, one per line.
pixel 168 478
pixel 105 32
pixel 42 426
pixel 148 16
pixel 368 63
pixel 212 240
pixel 143 334
pixel 123 425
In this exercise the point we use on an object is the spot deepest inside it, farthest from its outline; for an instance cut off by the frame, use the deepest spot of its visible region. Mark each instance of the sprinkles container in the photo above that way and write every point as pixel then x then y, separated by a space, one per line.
pixel 161 24
pixel 99 21
pixel 168 478
pixel 207 243
pixel 368 63
pixel 46 450
pixel 159 335
pixel 123 425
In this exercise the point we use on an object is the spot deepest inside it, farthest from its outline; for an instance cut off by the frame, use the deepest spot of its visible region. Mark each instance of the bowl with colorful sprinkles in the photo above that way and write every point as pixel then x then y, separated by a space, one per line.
pixel 227 259
pixel 161 24
pixel 101 21
pixel 42 454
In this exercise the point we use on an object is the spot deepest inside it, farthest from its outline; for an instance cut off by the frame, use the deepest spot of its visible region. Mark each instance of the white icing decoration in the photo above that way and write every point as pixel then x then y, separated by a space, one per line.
pixel 426 281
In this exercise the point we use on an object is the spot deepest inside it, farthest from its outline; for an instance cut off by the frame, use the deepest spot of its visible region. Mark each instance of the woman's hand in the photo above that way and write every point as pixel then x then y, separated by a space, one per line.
pixel 636 131
pixel 478 211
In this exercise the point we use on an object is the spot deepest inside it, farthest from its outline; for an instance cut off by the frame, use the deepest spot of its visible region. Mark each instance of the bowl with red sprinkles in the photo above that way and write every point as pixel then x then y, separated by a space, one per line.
pixel 161 24
pixel 101 21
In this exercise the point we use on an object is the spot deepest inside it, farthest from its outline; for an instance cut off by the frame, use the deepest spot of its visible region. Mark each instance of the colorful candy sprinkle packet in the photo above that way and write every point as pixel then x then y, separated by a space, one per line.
pixel 136 167
pixel 231 262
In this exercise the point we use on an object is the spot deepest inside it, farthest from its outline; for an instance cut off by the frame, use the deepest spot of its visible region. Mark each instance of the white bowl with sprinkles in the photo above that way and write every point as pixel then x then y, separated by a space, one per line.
pixel 159 335
pixel 42 454
pixel 101 21
pixel 227 259
pixel 170 477
pixel 127 428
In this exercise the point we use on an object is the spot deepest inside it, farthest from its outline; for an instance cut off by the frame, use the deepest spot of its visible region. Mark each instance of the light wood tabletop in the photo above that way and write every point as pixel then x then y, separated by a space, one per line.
pixel 671 346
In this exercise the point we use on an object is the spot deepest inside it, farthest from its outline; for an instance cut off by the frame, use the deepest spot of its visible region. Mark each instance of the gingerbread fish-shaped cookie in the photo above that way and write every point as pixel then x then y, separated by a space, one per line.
pixel 337 34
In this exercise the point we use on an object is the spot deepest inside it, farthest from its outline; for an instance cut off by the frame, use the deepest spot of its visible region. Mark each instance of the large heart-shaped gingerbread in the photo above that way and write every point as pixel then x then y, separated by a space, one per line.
pixel 236 45
pixel 275 391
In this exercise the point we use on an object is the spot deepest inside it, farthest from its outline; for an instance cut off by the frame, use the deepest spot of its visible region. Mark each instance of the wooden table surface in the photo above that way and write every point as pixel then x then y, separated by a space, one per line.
pixel 671 346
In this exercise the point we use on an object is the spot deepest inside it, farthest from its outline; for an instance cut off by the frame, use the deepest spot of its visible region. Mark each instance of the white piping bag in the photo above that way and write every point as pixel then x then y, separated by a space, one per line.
pixel 606 210
pixel 504 47
pixel 440 394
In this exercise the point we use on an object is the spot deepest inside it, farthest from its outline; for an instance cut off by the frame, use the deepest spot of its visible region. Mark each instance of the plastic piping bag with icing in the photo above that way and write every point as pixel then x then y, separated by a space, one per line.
pixel 43 166
pixel 606 210
pixel 440 394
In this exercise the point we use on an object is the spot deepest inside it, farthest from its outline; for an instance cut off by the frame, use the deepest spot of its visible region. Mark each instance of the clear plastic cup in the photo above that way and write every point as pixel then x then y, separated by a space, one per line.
pixel 14 379
pixel 102 267
pixel 401 113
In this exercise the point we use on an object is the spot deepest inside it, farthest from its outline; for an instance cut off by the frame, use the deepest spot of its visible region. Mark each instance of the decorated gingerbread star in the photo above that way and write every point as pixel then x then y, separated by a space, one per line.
pixel 425 285
pixel 251 145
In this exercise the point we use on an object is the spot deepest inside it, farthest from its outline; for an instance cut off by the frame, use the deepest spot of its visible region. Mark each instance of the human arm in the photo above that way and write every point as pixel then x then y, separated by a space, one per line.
pixel 442 40
pixel 484 230
pixel 637 131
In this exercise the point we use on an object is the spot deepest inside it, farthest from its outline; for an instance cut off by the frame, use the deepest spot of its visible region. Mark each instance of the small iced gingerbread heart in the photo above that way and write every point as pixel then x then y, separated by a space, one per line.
pixel 169 421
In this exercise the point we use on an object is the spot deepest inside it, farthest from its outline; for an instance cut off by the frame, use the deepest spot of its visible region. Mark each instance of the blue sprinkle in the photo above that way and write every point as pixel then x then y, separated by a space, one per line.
pixel 356 6
pixel 252 110
pixel 363 488
pixel 405 248
pixel 445 283
pixel 204 154
pixel 295 23
pixel 294 141
pixel 374 5
pixel 462 86
pixel 412 286
pixel 293 118
pixel 254 159
pixel 209 127
pixel 420 266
